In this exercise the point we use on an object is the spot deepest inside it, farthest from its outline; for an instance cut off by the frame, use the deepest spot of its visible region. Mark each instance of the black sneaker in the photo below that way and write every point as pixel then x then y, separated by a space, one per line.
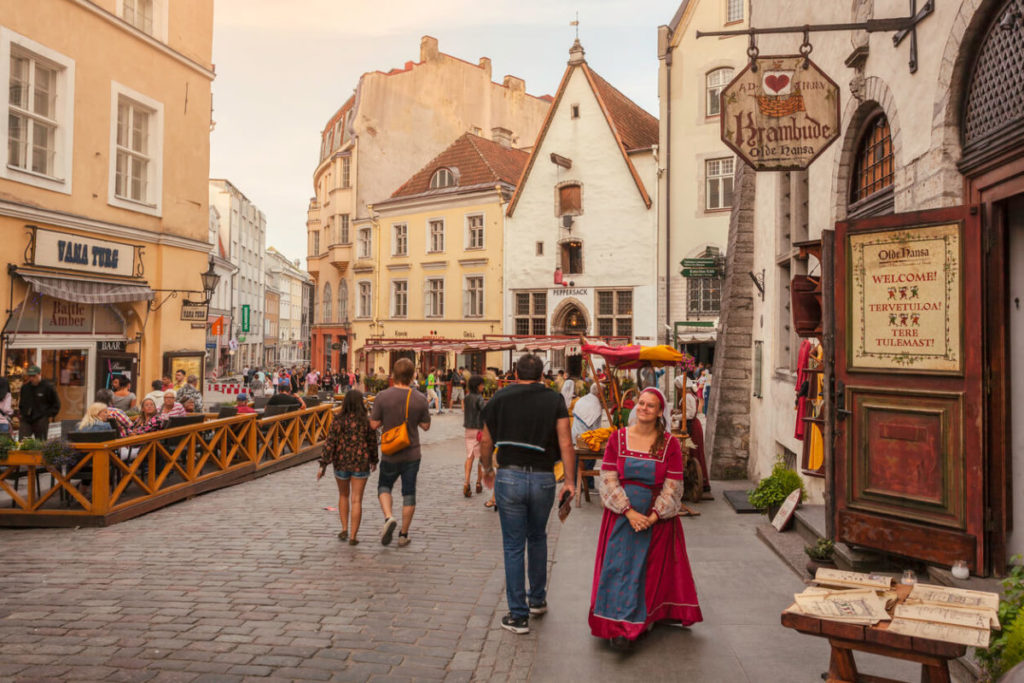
pixel 388 531
pixel 539 609
pixel 518 625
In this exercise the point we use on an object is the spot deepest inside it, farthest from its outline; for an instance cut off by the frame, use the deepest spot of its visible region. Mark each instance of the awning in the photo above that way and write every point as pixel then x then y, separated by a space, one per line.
pixel 490 343
pixel 696 337
pixel 86 291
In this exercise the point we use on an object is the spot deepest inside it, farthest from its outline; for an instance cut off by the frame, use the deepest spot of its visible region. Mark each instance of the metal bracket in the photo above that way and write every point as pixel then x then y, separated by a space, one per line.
pixel 903 26
pixel 758 281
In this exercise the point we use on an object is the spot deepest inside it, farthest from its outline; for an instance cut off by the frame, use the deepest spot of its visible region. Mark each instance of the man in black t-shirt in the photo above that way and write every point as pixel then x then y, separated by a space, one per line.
pixel 529 424
pixel 284 397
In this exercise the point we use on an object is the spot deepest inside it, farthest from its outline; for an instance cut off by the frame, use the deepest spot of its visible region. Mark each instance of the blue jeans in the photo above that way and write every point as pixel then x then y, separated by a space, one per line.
pixel 524 502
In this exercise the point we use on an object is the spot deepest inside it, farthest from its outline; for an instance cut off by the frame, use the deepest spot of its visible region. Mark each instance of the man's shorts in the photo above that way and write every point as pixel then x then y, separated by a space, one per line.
pixel 389 474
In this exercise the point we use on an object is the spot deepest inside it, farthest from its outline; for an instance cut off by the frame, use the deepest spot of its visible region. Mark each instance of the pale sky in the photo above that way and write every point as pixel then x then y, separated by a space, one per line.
pixel 284 67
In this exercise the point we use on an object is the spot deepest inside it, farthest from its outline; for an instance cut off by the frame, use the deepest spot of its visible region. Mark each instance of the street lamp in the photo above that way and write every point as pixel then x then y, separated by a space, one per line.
pixel 210 280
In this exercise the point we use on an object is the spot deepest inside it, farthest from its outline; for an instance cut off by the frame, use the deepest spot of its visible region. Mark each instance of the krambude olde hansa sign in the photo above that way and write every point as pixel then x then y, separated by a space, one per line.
pixel 782 115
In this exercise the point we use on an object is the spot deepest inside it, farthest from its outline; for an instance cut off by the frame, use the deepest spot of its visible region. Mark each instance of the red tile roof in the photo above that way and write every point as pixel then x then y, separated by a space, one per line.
pixel 636 128
pixel 475 160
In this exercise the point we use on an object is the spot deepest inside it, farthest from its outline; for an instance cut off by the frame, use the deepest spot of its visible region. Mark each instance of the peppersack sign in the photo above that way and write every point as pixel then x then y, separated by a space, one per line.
pixel 782 115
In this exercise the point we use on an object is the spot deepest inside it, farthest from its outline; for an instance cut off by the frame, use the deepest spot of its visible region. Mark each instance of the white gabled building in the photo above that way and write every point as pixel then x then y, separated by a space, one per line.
pixel 584 216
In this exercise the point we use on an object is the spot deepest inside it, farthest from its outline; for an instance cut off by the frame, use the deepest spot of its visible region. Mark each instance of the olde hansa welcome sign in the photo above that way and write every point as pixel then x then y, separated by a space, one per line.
pixel 780 115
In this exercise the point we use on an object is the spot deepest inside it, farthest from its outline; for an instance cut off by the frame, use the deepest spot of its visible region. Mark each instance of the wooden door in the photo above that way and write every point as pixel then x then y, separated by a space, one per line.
pixel 909 457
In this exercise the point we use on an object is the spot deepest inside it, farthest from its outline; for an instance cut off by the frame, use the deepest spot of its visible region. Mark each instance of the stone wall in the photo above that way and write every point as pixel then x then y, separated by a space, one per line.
pixel 727 438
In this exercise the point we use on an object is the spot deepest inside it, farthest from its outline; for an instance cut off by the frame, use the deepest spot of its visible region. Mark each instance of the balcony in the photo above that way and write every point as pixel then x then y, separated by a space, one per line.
pixel 340 256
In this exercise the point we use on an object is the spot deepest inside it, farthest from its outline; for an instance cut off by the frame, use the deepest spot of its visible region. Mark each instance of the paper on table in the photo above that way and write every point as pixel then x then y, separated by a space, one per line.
pixel 954 616
pixel 944 632
pixel 838 577
pixel 858 606
pixel 953 597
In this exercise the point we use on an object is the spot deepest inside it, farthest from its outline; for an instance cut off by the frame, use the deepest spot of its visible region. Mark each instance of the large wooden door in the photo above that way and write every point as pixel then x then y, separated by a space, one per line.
pixel 909 456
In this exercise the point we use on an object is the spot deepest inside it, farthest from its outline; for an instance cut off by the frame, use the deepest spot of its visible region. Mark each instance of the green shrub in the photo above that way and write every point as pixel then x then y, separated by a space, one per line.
pixel 30 444
pixel 7 444
pixel 1006 647
pixel 773 489
pixel 821 551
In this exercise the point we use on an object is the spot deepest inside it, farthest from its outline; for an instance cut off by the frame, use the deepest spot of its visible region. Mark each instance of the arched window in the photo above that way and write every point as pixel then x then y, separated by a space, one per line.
pixel 716 80
pixel 873 164
pixel 443 177
pixel 327 303
pixel 343 301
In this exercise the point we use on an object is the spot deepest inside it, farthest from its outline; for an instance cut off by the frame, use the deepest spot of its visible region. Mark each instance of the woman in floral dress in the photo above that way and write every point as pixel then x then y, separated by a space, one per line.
pixel 642 573
pixel 351 449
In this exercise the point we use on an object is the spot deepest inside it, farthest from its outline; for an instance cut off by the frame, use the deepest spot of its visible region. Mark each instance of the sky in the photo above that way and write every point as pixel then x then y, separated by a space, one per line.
pixel 284 67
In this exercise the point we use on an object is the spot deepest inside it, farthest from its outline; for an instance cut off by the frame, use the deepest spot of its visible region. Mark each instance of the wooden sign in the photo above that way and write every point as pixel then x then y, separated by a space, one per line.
pixel 785 512
pixel 904 312
pixel 782 115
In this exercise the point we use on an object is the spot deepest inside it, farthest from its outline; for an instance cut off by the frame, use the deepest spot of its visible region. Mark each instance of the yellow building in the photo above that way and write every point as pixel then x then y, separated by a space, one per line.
pixel 103 190
pixel 430 264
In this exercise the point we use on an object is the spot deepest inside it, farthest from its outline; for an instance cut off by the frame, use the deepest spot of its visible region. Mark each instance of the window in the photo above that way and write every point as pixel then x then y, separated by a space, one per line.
pixel 365 300
pixel 718 183
pixel 316 243
pixel 346 172
pixel 574 111
pixel 475 232
pixel 570 200
pixel 343 229
pixel 615 312
pixel 342 302
pixel 473 300
pixel 327 303
pixel 758 369
pixel 40 111
pixel 139 13
pixel 436 235
pixel 136 151
pixel 363 237
pixel 734 10
pixel 540 248
pixel 443 177
pixel 704 295
pixel 531 313
pixel 400 239
pixel 572 257
pixel 434 298
pixel 399 298
pixel 717 79
pixel 873 165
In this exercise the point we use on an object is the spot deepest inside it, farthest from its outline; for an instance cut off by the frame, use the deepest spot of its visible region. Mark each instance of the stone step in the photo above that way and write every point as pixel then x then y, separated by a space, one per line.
pixel 809 523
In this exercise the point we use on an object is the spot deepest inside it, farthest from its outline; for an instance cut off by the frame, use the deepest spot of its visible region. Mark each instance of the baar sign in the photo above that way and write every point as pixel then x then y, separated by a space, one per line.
pixel 904 312
pixel 782 115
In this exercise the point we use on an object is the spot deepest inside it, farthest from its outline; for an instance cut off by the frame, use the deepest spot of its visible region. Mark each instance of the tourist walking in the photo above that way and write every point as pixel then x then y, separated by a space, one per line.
pixel 432 395
pixel 458 381
pixel 351 451
pixel 473 422
pixel 529 424
pixel 395 406
pixel 642 573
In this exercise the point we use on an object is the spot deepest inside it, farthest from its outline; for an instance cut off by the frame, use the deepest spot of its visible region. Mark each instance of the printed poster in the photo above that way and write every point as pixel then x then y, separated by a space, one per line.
pixel 904 310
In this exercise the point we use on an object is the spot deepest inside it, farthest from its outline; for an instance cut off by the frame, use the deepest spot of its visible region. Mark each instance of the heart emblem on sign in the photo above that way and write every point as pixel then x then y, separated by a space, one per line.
pixel 776 83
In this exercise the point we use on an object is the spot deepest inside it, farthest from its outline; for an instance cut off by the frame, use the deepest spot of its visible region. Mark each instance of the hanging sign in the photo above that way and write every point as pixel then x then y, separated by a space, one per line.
pixel 904 310
pixel 53 249
pixel 194 312
pixel 217 328
pixel 782 115
pixel 245 317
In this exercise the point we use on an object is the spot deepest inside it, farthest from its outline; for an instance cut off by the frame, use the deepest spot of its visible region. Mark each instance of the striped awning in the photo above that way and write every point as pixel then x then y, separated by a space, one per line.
pixel 86 291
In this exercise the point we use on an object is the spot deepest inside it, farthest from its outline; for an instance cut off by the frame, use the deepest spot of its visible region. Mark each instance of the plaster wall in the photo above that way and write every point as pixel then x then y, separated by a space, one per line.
pixel 618 231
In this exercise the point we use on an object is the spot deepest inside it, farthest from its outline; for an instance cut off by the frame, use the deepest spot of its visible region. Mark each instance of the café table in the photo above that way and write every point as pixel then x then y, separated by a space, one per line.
pixel 845 639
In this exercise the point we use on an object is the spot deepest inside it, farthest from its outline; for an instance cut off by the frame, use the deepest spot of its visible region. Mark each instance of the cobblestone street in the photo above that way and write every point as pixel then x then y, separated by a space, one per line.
pixel 251 581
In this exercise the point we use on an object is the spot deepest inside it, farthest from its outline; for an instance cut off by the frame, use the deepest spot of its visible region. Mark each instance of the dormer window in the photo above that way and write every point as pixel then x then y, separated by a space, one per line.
pixel 443 177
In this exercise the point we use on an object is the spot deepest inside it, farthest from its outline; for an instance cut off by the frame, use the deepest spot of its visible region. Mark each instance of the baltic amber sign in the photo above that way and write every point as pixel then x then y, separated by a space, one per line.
pixel 782 115
pixel 904 311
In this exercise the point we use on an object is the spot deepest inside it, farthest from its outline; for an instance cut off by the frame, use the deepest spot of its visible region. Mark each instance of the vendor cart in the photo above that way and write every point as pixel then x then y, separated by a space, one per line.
pixel 635 357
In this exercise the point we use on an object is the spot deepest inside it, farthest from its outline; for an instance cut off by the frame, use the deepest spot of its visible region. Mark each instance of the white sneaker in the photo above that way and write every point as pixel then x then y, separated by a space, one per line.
pixel 388 531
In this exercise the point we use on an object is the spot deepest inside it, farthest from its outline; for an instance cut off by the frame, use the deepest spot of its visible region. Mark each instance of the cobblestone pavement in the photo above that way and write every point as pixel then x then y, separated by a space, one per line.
pixel 250 582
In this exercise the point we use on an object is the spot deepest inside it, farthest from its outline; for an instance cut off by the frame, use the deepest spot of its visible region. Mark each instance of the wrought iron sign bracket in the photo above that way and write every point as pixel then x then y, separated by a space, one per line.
pixel 903 26
pixel 155 305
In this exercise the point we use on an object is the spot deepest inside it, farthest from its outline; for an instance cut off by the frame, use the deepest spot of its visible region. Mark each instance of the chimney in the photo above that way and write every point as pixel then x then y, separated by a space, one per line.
pixel 503 136
pixel 485 64
pixel 514 84
pixel 428 48
pixel 576 53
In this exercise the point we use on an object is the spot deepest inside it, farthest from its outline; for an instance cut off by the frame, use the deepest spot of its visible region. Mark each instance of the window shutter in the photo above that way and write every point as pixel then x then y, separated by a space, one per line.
pixel 569 199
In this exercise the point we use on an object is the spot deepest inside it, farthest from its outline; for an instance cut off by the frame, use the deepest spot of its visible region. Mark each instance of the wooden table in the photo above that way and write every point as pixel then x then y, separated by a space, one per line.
pixel 845 639
pixel 581 472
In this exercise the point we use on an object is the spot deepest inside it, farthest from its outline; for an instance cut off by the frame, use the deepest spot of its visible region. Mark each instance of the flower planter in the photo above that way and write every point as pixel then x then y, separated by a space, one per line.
pixel 24 459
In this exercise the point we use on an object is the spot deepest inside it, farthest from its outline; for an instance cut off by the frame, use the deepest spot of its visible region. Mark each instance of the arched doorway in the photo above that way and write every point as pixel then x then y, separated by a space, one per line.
pixel 570 318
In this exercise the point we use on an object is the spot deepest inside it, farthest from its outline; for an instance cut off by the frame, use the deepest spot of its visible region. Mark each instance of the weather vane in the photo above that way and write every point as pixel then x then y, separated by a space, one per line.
pixel 576 24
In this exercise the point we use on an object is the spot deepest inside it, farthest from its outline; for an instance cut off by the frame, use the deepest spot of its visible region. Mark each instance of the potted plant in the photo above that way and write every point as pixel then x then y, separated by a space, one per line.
pixel 1006 647
pixel 771 491
pixel 59 453
pixel 7 444
pixel 820 554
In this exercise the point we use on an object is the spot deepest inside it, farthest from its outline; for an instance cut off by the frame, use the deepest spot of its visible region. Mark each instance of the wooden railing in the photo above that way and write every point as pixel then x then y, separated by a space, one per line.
pixel 124 478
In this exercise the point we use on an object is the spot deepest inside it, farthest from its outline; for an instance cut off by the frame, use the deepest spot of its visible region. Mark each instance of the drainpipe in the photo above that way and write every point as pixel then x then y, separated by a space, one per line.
pixel 668 176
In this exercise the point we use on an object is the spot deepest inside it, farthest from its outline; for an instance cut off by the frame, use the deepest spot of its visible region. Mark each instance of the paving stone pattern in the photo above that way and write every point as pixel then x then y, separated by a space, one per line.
pixel 251 582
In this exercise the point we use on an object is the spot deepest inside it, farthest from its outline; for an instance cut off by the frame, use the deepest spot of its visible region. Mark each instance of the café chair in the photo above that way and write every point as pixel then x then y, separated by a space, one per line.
pixel 260 402
pixel 227 411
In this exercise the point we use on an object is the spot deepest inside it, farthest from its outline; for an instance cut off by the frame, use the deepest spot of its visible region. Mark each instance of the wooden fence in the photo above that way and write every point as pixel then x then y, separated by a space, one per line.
pixel 117 480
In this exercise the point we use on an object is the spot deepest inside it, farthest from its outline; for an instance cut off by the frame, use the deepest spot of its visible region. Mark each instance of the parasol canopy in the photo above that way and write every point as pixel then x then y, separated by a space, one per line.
pixel 633 356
